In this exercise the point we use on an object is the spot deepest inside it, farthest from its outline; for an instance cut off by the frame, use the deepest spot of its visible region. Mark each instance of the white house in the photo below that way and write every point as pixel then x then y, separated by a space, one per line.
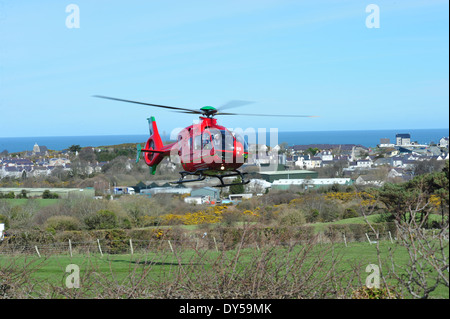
pixel 364 163
pixel 444 142
pixel 313 162
pixel 325 156
pixel 393 173
pixel 385 143
pixel 300 162
pixel 257 186
pixel 397 161
pixel 58 161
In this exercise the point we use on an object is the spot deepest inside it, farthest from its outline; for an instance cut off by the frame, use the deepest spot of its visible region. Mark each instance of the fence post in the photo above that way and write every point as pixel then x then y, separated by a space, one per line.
pixel 345 240
pixel 390 236
pixel 37 250
pixel 70 248
pixel 370 242
pixel 131 246
pixel 171 248
pixel 215 244
pixel 99 247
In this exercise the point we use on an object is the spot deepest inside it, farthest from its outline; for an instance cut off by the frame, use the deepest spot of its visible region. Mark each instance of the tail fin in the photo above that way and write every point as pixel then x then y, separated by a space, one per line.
pixel 153 151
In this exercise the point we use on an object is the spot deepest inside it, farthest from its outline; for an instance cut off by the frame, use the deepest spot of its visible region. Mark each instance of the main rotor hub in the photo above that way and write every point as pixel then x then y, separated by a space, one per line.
pixel 208 111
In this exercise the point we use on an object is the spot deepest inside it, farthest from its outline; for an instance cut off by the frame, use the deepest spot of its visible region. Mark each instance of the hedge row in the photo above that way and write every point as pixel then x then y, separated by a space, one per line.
pixel 357 232
pixel 117 240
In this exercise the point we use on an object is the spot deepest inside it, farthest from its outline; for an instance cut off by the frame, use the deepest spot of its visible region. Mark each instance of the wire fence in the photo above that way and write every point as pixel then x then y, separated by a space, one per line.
pixel 204 242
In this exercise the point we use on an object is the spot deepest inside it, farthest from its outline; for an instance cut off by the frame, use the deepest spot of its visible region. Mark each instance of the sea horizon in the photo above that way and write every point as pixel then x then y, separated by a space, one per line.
pixel 367 138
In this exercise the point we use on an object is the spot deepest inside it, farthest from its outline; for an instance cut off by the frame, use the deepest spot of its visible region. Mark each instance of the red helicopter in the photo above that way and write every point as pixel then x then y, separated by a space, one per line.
pixel 205 149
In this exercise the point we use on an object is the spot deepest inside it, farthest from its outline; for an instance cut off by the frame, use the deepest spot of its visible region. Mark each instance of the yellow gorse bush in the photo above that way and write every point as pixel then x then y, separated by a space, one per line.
pixel 366 198
pixel 435 200
pixel 158 233
pixel 296 201
pixel 344 197
pixel 211 215
pixel 248 212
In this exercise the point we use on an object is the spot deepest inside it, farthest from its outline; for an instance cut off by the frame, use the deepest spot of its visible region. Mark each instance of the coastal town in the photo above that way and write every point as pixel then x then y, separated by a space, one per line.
pixel 225 157
pixel 313 165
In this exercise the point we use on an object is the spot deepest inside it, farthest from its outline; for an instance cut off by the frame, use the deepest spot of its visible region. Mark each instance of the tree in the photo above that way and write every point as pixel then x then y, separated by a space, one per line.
pixel 401 199
pixel 439 186
pixel 87 155
pixel 23 194
pixel 79 168
pixel 47 194
pixel 283 147
pixel 410 204
pixel 424 167
pixel 312 151
pixel 75 148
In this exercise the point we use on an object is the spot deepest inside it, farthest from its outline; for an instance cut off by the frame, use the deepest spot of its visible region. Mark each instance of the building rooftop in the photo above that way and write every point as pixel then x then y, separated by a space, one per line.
pixel 314 181
pixel 286 172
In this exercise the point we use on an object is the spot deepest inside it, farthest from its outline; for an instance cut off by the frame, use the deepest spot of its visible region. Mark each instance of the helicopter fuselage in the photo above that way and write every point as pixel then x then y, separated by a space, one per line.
pixel 204 146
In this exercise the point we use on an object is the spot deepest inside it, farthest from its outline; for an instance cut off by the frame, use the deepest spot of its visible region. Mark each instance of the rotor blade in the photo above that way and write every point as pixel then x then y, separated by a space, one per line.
pixel 190 112
pixel 232 104
pixel 272 115
pixel 142 103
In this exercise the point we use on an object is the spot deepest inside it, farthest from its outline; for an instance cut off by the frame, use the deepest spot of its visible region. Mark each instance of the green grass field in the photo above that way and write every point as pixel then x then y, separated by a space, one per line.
pixel 165 267
pixel 318 227
pixel 22 201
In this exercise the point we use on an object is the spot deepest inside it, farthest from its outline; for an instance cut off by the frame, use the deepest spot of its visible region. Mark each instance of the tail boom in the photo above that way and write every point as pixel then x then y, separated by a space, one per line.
pixel 154 150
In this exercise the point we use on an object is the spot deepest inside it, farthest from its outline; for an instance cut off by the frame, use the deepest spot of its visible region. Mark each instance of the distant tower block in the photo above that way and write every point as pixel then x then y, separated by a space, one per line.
pixel 403 139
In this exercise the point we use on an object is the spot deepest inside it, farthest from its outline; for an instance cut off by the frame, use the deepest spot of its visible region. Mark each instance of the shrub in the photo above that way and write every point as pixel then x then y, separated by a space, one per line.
pixel 20 216
pixel 10 195
pixel 23 194
pixel 312 216
pixel 146 221
pixel 47 194
pixel 4 220
pixel 375 293
pixel 103 219
pixel 230 218
pixel 352 231
pixel 350 213
pixel 62 223
pixel 292 217
pixel 31 237
pixel 116 241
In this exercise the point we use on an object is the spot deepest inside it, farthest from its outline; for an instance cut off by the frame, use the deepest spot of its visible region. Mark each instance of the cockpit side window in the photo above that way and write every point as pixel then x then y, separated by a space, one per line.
pixel 198 142
pixel 206 140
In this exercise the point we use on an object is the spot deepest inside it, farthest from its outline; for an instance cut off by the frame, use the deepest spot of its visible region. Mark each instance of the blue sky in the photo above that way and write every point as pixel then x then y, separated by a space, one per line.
pixel 289 57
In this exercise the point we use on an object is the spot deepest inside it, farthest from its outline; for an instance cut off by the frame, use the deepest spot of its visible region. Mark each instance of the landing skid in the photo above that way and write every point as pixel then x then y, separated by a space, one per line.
pixel 203 173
